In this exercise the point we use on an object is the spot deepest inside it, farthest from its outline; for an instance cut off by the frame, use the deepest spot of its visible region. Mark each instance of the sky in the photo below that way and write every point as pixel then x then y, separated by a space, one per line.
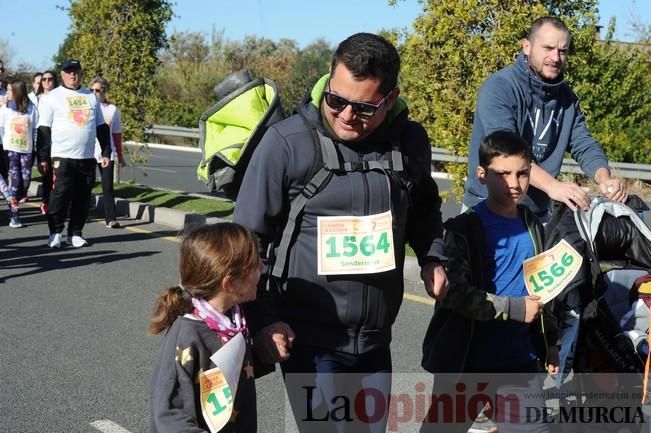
pixel 34 33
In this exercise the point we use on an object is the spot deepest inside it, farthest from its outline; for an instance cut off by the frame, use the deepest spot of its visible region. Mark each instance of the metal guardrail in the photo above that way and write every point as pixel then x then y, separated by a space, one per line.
pixel 173 131
pixel 621 169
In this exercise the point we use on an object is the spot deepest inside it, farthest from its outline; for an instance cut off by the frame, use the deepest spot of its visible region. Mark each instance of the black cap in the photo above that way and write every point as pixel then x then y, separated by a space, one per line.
pixel 70 64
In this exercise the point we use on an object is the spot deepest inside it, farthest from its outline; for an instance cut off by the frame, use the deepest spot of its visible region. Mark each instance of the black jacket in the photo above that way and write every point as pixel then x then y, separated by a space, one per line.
pixel 348 313
pixel 450 331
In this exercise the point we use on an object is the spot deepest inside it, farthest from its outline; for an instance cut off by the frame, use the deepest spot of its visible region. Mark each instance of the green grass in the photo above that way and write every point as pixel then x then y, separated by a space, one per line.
pixel 183 202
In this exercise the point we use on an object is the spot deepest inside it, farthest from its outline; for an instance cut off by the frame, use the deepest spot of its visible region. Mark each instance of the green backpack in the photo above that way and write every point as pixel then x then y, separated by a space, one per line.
pixel 230 130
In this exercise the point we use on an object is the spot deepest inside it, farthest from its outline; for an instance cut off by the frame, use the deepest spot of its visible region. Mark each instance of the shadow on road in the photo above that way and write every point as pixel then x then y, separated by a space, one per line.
pixel 31 261
pixel 21 256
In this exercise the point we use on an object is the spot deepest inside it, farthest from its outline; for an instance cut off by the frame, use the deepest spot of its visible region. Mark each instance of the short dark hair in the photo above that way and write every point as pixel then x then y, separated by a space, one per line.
pixel 556 22
pixel 369 55
pixel 503 143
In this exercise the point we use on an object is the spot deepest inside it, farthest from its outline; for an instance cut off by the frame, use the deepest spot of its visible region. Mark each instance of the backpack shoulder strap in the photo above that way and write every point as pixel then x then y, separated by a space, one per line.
pixel 326 163
pixel 325 156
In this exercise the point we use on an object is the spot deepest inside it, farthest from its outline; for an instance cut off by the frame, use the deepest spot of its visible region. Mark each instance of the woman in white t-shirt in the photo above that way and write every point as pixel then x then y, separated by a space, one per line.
pixel 100 86
pixel 48 83
pixel 18 119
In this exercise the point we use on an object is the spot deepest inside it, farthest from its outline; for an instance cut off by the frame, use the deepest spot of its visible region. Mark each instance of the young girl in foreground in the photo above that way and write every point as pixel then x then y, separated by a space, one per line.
pixel 219 269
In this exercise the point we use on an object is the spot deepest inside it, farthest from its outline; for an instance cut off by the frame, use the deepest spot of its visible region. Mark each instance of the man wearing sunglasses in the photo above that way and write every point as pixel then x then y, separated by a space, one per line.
pixel 70 119
pixel 339 285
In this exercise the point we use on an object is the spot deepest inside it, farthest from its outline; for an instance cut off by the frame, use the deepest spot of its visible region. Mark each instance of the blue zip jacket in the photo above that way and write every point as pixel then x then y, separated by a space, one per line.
pixel 546 115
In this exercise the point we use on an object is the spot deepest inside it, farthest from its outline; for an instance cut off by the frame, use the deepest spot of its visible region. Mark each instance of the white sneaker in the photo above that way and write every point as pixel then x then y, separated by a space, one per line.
pixel 54 241
pixel 78 241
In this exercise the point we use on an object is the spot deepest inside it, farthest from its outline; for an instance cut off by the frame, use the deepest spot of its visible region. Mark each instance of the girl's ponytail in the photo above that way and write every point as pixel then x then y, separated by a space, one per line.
pixel 171 304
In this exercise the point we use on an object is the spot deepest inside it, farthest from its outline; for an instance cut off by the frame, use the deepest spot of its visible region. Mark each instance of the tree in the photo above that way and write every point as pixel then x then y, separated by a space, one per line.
pixel 121 40
pixel 264 57
pixel 613 81
pixel 457 44
pixel 190 68
pixel 6 52
pixel 311 64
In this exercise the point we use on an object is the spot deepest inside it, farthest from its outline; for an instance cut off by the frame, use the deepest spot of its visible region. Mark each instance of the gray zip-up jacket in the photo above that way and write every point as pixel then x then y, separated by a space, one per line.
pixel 348 313
pixel 546 115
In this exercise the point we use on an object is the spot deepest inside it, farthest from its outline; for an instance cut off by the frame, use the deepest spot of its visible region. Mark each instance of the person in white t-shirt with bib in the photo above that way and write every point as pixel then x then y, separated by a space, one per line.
pixel 18 120
pixel 70 119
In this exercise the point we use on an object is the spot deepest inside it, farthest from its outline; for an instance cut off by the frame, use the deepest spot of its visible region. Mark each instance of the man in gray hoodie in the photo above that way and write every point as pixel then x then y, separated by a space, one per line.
pixel 531 98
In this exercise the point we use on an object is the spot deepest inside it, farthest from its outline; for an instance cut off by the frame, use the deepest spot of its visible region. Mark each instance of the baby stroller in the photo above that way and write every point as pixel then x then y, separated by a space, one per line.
pixel 603 329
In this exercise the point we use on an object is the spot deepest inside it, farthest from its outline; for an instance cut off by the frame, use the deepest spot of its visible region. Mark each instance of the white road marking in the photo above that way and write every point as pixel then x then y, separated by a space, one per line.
pixel 108 426
pixel 159 169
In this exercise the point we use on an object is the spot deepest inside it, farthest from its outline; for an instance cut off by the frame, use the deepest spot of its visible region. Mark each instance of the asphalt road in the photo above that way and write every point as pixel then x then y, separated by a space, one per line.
pixel 174 168
pixel 75 354
pixel 167 167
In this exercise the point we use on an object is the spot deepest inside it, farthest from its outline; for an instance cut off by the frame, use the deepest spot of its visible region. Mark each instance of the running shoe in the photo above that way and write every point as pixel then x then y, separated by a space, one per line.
pixel 78 241
pixel 54 241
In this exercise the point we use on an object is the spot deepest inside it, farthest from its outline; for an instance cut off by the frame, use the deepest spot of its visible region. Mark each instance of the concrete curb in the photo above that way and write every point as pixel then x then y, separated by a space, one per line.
pixel 179 220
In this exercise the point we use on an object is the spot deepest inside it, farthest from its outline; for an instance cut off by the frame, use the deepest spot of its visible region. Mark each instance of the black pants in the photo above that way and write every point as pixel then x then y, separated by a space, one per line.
pixel 73 183
pixel 47 187
pixel 108 197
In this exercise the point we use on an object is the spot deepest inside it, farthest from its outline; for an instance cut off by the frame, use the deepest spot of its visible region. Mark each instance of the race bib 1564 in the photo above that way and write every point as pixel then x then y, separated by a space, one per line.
pixel 355 245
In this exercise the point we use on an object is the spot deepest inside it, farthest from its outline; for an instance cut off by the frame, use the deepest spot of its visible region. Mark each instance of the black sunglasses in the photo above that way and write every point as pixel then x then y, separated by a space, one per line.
pixel 363 110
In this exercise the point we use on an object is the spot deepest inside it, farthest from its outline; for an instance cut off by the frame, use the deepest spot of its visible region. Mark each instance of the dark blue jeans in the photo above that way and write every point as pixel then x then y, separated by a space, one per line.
pixel 336 391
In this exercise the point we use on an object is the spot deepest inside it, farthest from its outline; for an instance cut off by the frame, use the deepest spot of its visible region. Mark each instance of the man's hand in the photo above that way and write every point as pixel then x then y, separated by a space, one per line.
pixel 614 189
pixel 435 279
pixel 610 187
pixel 571 194
pixel 553 360
pixel 122 161
pixel 105 162
pixel 272 343
pixel 44 168
pixel 533 307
